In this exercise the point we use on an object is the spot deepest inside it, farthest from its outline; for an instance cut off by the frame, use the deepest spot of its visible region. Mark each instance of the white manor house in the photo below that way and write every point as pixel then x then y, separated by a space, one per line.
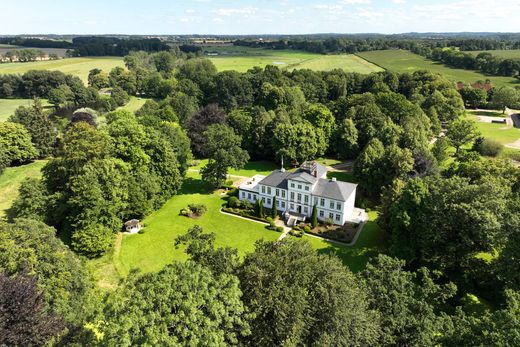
pixel 297 192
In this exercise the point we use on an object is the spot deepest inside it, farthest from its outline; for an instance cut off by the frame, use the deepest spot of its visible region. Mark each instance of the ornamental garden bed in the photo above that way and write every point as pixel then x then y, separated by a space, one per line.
pixel 193 210
pixel 344 233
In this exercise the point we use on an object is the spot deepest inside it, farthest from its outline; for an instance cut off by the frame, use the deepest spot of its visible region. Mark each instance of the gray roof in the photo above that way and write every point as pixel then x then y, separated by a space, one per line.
pixel 326 188
pixel 336 190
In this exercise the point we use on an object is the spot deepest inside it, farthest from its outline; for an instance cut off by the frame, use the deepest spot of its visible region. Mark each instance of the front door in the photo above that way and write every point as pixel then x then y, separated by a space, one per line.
pixel 299 209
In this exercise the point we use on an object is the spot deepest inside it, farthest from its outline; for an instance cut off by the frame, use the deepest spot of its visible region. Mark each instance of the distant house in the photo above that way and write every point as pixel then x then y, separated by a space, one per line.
pixel 133 226
pixel 299 191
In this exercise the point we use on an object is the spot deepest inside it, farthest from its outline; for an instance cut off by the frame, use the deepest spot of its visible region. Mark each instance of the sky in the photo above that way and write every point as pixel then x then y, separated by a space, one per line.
pixel 149 17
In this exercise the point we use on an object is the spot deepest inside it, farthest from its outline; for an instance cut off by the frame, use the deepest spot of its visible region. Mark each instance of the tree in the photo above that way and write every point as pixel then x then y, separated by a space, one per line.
pixel 223 150
pixel 287 284
pixel 199 123
pixel 440 149
pixel 505 97
pixel 32 201
pixel 38 124
pixel 183 304
pixel 259 208
pixel 314 217
pixel 407 302
pixel 274 210
pixel 460 132
pixel 23 317
pixel 347 139
pixel 16 143
pixel 299 142
pixel 31 247
pixel 474 97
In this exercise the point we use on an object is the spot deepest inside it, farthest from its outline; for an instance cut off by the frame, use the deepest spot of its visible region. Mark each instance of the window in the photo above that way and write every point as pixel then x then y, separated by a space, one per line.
pixel 292 206
pixel 283 193
pixel 307 188
pixel 322 202
pixel 249 196
pixel 269 190
pixel 338 217
pixel 263 189
pixel 244 195
pixel 254 197
pixel 315 201
pixel 338 206
pixel 305 210
pixel 332 205
pixel 277 192
pixel 306 198
pixel 321 213
pixel 292 195
pixel 331 215
pixel 283 204
pixel 292 185
pixel 299 186
pixel 263 199
pixel 268 201
pixel 277 203
pixel 299 197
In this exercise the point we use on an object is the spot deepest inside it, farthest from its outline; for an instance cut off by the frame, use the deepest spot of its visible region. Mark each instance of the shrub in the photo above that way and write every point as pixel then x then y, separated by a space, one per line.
pixel 246 205
pixel 329 222
pixel 279 229
pixel 307 229
pixel 233 192
pixel 233 202
pixel 198 209
pixel 488 147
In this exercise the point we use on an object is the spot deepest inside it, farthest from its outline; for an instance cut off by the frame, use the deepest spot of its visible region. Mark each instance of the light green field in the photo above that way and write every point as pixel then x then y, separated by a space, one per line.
pixel 502 53
pixel 75 66
pixel 498 132
pixel 134 104
pixel 403 61
pixel 8 106
pixel 242 59
pixel 12 178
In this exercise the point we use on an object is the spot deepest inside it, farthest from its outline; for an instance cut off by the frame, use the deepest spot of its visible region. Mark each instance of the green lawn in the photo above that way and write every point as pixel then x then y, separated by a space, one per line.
pixel 12 178
pixel 250 169
pixel 76 66
pixel 8 106
pixel 154 249
pixel 243 58
pixel 404 61
pixel 371 242
pixel 134 104
pixel 497 132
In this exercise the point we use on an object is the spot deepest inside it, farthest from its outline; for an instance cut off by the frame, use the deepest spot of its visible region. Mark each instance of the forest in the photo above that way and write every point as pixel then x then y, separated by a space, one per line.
pixel 450 207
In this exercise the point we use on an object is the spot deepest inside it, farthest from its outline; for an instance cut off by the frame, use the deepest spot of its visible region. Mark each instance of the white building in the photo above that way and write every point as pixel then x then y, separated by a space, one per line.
pixel 298 192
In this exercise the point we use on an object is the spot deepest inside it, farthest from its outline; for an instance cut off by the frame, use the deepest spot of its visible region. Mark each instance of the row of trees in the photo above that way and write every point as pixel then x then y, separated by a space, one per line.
pixel 282 293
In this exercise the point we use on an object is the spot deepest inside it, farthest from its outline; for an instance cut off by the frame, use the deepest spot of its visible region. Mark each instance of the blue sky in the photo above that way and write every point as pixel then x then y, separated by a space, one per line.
pixel 255 17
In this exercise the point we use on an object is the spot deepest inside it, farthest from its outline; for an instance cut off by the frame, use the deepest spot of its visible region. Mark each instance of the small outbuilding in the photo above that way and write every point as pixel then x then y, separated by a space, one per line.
pixel 133 226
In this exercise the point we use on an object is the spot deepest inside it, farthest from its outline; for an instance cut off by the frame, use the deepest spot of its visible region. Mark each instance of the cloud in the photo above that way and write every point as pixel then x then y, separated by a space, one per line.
pixel 355 2
pixel 234 11
pixel 400 2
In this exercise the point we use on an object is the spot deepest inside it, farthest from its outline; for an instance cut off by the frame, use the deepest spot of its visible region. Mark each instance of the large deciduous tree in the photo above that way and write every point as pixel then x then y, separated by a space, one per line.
pixel 15 143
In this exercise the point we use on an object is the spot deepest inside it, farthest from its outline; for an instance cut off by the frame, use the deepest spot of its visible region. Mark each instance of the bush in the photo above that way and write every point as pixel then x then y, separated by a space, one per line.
pixel 297 232
pixel 488 147
pixel 233 202
pixel 307 229
pixel 279 229
pixel 194 210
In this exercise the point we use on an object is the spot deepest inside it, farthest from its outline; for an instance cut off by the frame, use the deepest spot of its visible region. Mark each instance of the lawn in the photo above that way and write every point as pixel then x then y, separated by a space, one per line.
pixel 243 58
pixel 8 106
pixel 154 249
pixel 497 132
pixel 250 169
pixel 371 242
pixel 134 104
pixel 404 61
pixel 75 66
pixel 12 178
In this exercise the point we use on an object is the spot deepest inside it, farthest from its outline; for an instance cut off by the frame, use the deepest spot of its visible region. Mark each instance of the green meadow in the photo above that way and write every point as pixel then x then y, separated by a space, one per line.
pixel 8 106
pixel 502 53
pixel 243 58
pixel 75 66
pixel 401 61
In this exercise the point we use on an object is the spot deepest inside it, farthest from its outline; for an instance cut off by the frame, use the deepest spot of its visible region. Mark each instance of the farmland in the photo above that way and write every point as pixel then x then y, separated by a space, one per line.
pixel 75 66
pixel 502 53
pixel 242 59
pixel 60 52
pixel 403 61
pixel 8 106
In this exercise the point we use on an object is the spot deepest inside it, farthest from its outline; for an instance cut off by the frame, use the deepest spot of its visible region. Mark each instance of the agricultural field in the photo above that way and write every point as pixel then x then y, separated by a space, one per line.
pixel 154 248
pixel 502 53
pixel 60 52
pixel 8 106
pixel 75 66
pixel 12 178
pixel 403 61
pixel 243 58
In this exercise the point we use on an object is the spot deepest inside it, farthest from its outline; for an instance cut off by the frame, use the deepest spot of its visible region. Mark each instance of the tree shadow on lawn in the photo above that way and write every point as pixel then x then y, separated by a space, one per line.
pixel 192 185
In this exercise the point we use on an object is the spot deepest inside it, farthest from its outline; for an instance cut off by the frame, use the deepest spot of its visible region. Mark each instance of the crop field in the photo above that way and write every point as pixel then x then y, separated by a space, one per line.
pixel 60 52
pixel 75 66
pixel 403 61
pixel 8 106
pixel 242 59
pixel 502 53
